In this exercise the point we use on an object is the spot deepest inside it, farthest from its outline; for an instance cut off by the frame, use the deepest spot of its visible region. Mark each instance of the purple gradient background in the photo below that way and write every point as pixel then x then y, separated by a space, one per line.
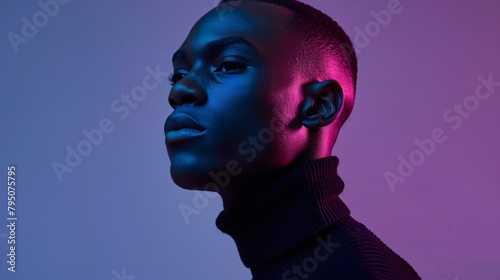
pixel 119 208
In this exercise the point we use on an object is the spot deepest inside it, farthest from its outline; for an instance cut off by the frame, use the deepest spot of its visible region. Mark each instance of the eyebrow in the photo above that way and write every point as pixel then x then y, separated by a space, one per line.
pixel 215 45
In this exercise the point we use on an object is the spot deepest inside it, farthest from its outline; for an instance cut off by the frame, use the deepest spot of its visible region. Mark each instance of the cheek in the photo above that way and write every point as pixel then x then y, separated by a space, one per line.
pixel 285 90
pixel 232 112
pixel 250 111
pixel 240 100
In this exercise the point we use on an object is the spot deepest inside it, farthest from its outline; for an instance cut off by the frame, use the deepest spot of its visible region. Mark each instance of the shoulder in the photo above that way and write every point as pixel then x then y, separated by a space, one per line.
pixel 360 254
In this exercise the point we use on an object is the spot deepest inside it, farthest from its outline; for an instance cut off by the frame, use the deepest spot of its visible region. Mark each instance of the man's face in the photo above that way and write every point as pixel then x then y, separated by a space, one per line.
pixel 230 74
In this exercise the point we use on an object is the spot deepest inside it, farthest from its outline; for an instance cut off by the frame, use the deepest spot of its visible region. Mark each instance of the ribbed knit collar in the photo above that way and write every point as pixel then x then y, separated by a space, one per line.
pixel 277 217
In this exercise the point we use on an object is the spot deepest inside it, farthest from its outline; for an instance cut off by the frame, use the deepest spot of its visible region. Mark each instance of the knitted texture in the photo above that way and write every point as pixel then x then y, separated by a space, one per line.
pixel 297 227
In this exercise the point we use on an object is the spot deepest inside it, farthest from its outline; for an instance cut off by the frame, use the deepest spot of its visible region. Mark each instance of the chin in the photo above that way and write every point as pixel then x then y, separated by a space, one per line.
pixel 183 183
pixel 188 173
pixel 186 178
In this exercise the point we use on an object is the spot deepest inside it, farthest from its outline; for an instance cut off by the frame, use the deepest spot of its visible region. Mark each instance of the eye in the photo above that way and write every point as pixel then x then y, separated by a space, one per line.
pixel 175 77
pixel 231 67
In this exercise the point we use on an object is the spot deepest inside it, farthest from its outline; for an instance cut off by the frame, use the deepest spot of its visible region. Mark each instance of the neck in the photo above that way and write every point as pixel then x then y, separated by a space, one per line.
pixel 301 199
pixel 241 186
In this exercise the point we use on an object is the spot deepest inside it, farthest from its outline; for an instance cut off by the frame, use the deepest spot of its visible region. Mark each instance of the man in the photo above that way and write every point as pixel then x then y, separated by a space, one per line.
pixel 260 90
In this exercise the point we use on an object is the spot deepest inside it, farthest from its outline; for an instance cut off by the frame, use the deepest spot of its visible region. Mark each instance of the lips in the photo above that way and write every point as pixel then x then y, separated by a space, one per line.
pixel 180 127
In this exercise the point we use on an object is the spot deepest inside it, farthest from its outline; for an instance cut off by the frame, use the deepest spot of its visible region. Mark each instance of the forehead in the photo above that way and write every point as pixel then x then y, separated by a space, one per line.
pixel 265 25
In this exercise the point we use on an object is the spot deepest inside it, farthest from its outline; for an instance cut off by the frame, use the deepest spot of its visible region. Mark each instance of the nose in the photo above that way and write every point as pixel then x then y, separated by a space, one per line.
pixel 187 91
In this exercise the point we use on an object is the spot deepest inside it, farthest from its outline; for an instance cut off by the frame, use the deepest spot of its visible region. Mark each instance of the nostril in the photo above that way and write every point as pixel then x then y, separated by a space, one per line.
pixel 172 103
pixel 187 99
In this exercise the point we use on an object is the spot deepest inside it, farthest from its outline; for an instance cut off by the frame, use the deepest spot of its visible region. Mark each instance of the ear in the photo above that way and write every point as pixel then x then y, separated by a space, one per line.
pixel 322 103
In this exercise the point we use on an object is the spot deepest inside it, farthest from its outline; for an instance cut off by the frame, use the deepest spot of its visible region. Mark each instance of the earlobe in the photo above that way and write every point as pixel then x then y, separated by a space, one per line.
pixel 322 103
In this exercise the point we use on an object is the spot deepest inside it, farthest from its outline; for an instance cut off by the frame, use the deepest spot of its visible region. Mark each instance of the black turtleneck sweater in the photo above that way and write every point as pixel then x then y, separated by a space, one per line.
pixel 298 228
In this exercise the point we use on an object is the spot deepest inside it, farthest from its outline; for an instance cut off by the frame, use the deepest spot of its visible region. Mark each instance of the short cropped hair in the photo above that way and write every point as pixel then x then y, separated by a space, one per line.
pixel 326 38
